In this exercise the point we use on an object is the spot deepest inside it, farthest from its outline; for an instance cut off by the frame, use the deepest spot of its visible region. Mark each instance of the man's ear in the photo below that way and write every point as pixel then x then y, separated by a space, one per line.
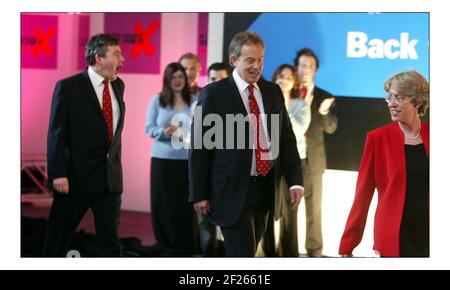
pixel 98 59
pixel 233 60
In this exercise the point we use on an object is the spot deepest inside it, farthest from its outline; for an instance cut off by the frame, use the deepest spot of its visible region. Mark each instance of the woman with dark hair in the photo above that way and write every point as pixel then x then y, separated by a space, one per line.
pixel 168 121
pixel 300 115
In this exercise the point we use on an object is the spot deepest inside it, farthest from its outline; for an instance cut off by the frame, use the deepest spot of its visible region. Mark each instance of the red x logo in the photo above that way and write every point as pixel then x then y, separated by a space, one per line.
pixel 143 39
pixel 42 41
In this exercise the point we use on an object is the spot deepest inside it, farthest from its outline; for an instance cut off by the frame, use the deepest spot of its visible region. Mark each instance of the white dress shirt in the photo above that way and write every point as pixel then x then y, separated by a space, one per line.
pixel 243 90
pixel 97 83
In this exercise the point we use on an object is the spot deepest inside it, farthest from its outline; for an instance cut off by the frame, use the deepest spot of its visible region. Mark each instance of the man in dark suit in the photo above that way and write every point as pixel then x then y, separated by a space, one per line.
pixel 323 120
pixel 234 174
pixel 84 150
pixel 207 230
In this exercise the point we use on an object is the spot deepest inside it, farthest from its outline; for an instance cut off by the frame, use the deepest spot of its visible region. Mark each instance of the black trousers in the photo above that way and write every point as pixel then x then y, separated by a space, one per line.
pixel 174 221
pixel 208 237
pixel 241 239
pixel 288 245
pixel 313 209
pixel 66 214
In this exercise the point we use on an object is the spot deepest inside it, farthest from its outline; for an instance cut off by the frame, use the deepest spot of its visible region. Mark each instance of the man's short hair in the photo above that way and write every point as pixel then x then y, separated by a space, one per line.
pixel 217 66
pixel 190 55
pixel 98 44
pixel 241 39
pixel 308 52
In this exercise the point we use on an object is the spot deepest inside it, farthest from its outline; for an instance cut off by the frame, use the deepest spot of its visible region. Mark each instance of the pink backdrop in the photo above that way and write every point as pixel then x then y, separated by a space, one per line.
pixel 179 34
pixel 139 35
pixel 39 46
pixel 83 37
pixel 202 41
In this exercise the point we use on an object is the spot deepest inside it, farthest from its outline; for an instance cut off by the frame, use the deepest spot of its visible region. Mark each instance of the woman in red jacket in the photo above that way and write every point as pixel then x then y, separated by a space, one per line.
pixel 395 162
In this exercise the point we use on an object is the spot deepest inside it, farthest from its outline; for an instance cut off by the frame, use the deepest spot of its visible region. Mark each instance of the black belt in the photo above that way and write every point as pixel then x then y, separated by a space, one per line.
pixel 258 177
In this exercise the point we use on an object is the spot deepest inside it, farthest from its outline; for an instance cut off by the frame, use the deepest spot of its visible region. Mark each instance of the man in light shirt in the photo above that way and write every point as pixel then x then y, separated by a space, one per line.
pixel 84 150
pixel 323 120
pixel 233 187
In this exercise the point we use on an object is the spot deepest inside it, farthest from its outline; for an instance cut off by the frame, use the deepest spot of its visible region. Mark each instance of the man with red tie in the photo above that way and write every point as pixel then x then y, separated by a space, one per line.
pixel 234 185
pixel 323 120
pixel 84 150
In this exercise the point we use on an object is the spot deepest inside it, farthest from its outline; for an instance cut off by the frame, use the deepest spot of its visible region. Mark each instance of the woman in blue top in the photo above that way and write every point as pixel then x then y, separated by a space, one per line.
pixel 168 121
pixel 300 116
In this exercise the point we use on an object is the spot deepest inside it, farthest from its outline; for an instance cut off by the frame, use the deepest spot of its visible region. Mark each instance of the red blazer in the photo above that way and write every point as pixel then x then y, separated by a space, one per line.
pixel 383 167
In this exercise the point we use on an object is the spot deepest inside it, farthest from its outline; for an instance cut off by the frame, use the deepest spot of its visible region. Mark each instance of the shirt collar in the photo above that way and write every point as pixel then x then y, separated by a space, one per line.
pixel 311 87
pixel 241 83
pixel 95 77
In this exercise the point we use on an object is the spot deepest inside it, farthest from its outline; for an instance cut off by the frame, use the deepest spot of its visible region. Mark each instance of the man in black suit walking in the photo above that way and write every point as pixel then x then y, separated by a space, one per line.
pixel 323 120
pixel 234 175
pixel 84 150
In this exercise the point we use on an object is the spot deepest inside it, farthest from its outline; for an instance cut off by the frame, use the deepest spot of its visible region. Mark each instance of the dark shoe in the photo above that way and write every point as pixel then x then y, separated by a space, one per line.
pixel 314 255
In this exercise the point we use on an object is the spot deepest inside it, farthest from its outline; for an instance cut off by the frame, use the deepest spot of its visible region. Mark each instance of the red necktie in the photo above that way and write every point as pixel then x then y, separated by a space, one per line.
pixel 107 109
pixel 304 92
pixel 262 164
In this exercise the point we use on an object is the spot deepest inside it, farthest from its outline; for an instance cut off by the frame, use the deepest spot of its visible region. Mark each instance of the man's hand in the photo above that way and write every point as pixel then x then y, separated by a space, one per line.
pixel 296 195
pixel 61 184
pixel 202 207
pixel 325 106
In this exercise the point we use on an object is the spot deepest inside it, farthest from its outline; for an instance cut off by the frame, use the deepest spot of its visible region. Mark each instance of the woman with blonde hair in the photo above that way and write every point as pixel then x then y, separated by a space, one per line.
pixel 395 162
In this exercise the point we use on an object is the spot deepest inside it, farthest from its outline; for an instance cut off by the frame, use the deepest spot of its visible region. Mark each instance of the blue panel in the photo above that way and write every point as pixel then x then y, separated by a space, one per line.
pixel 349 64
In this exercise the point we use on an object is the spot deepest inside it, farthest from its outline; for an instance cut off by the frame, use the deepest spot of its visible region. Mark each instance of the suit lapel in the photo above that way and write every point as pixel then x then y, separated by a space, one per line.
pixel 266 98
pixel 396 148
pixel 91 92
pixel 426 137
pixel 267 104
pixel 119 96
pixel 317 99
pixel 237 99
pixel 117 92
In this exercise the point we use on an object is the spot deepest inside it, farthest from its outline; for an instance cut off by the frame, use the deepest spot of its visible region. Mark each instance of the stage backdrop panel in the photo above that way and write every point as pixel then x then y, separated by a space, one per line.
pixel 39 41
pixel 202 42
pixel 140 40
pixel 83 38
pixel 352 47
pixel 357 53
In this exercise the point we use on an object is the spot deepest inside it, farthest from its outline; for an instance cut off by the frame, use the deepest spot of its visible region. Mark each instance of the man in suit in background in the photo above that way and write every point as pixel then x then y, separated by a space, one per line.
pixel 323 119
pixel 234 185
pixel 218 71
pixel 192 67
pixel 84 150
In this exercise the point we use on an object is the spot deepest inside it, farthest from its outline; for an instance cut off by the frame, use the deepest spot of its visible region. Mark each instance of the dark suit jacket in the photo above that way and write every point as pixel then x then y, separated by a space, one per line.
pixel 315 144
pixel 77 143
pixel 222 175
pixel 383 166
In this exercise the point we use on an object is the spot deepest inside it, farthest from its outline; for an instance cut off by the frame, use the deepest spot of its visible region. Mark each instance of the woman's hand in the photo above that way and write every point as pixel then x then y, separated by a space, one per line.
pixel 170 130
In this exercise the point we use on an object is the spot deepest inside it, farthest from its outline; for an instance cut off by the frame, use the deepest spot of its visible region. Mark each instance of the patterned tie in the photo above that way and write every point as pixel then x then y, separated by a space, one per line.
pixel 304 92
pixel 107 109
pixel 262 164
